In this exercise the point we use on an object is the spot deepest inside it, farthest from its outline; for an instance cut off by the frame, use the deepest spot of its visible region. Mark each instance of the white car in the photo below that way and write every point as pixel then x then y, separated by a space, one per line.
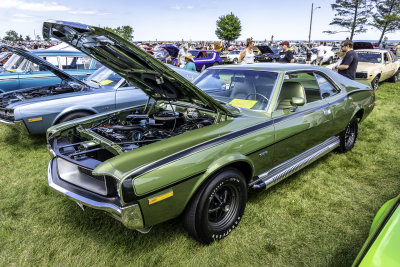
pixel 231 57
pixel 328 55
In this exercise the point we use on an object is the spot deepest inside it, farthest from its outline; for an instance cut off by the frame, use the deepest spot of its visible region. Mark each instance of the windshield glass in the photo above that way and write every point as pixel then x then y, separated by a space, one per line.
pixel 241 88
pixel 16 63
pixel 371 57
pixel 102 77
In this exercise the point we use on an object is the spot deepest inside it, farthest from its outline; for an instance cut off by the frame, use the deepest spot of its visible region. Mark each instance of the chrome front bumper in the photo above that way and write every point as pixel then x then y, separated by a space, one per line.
pixel 130 216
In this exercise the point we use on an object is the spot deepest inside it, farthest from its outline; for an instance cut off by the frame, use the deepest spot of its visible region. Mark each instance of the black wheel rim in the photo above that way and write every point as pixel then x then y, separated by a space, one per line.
pixel 350 134
pixel 223 206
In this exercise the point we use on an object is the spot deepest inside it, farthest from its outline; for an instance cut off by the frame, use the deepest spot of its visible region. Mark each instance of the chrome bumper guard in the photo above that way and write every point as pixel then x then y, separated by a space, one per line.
pixel 130 216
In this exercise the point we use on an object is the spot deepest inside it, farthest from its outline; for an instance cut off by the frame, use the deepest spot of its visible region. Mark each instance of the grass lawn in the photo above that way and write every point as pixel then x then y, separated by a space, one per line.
pixel 319 216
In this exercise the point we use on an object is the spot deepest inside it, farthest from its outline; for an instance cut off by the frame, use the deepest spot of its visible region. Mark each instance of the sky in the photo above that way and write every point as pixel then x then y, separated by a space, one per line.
pixel 181 19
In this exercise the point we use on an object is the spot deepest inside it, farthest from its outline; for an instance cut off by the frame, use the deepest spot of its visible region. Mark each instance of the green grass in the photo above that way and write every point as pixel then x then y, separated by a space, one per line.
pixel 319 216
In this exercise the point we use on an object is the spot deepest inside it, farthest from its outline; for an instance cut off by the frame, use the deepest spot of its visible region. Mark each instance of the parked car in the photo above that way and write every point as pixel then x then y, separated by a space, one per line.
pixel 36 109
pixel 382 245
pixel 19 72
pixel 4 56
pixel 166 50
pixel 377 65
pixel 328 55
pixel 268 54
pixel 188 153
pixel 205 58
pixel 231 57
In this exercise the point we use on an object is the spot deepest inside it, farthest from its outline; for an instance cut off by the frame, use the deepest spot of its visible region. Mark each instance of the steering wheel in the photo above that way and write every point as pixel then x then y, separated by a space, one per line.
pixel 258 94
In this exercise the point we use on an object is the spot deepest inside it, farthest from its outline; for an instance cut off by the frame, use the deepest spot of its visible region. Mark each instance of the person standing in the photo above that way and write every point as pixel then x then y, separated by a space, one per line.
pixel 183 51
pixel 189 63
pixel 398 49
pixel 308 56
pixel 320 53
pixel 348 66
pixel 285 56
pixel 247 55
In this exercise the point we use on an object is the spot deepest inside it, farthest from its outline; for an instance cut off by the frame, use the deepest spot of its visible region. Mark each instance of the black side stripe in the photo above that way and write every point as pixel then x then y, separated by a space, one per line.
pixel 223 139
pixel 170 185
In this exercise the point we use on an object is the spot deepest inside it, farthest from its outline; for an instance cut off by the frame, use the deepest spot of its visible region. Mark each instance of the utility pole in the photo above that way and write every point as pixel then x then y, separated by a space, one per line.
pixel 312 10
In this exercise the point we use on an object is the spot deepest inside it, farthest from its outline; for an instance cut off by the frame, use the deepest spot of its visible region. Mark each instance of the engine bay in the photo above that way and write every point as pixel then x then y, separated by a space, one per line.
pixel 20 95
pixel 123 132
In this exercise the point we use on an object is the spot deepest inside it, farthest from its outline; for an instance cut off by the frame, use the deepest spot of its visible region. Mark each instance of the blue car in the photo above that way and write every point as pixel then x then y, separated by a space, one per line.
pixel 36 109
pixel 268 54
pixel 19 72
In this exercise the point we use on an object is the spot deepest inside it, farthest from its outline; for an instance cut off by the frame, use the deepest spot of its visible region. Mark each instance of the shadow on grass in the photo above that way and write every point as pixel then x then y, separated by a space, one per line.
pixel 13 136
pixel 105 230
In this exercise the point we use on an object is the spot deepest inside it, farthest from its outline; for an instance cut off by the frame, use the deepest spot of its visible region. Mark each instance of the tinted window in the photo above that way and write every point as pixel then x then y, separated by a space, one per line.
pixel 371 57
pixel 327 89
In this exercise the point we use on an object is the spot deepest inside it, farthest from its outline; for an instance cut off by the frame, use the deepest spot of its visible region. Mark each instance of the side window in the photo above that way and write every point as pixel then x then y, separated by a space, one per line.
pixel 53 60
pixel 394 58
pixel 75 63
pixel 386 57
pixel 327 89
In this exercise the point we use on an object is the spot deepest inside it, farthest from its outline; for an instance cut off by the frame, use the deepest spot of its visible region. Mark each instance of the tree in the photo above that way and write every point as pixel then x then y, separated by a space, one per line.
pixel 228 28
pixel 27 38
pixel 352 15
pixel 38 37
pixel 386 18
pixel 11 36
pixel 125 32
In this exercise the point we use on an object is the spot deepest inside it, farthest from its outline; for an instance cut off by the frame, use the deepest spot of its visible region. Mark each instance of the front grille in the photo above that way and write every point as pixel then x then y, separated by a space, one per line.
pixel 6 114
pixel 82 177
pixel 361 75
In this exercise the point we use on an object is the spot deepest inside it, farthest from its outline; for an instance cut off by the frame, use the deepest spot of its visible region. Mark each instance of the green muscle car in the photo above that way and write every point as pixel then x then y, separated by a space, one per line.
pixel 194 153
pixel 383 243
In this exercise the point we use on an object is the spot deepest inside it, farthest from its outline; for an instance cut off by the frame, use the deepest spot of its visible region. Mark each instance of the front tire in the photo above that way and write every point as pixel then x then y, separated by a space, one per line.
pixel 217 207
pixel 349 136
pixel 375 83
pixel 235 61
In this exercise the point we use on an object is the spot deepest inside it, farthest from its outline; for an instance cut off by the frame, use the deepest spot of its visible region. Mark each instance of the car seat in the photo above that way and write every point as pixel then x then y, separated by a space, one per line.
pixel 289 89
pixel 242 87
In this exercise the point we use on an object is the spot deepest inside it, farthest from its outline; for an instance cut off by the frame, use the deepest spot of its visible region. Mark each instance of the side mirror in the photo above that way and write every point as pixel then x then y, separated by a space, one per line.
pixel 296 101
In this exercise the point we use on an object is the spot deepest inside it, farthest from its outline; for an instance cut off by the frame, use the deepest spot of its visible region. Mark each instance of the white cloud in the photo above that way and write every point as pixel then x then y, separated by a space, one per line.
pixel 178 7
pixel 31 6
pixel 44 6
pixel 22 20
pixel 20 15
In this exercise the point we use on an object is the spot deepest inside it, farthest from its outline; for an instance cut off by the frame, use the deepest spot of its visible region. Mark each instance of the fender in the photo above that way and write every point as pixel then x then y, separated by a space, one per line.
pixel 217 165
pixel 72 109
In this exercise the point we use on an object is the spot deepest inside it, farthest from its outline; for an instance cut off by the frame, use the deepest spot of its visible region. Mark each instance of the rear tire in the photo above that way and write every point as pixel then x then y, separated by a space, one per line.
pixel 349 136
pixel 394 78
pixel 216 63
pixel 74 115
pixel 217 207
pixel 235 61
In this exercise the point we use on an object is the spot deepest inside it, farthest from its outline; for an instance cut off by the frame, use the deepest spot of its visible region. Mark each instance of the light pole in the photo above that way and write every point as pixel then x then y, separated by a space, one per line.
pixel 312 10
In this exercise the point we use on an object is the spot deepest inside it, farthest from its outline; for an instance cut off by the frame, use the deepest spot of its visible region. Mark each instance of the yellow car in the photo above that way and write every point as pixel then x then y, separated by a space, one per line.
pixel 376 65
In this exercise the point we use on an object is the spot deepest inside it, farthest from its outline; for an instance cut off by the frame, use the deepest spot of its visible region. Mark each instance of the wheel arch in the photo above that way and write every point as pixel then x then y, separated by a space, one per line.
pixel 359 114
pixel 71 110
pixel 237 161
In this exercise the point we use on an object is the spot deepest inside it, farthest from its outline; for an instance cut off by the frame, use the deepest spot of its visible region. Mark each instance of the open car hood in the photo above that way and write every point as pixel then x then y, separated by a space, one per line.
pixel 135 65
pixel 41 62
pixel 172 50
pixel 265 49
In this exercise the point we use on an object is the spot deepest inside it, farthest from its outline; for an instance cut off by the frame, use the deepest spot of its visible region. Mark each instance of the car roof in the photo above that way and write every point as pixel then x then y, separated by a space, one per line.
pixel 271 67
pixel 372 50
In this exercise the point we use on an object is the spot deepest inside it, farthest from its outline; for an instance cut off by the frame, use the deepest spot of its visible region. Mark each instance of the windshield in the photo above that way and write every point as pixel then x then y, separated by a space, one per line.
pixel 236 52
pixel 16 63
pixel 241 88
pixel 102 77
pixel 370 57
